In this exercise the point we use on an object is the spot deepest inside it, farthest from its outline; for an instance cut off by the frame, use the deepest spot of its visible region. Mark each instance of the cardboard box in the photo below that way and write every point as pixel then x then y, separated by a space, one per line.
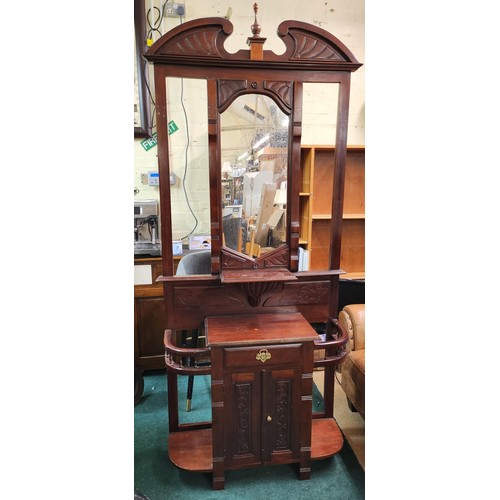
pixel 199 242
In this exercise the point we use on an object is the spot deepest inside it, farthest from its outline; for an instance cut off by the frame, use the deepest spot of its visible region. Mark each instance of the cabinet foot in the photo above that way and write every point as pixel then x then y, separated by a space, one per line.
pixel 138 385
pixel 218 483
pixel 304 473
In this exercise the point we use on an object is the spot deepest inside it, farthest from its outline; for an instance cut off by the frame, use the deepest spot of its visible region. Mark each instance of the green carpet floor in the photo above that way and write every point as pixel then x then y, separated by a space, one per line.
pixel 340 477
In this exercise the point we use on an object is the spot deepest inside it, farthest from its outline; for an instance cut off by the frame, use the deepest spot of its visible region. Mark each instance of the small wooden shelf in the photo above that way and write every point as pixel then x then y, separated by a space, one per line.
pixel 344 216
pixel 353 276
pixel 255 275
pixel 192 450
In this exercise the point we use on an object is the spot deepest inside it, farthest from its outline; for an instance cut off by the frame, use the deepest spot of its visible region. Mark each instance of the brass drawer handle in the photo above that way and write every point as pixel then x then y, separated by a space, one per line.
pixel 263 355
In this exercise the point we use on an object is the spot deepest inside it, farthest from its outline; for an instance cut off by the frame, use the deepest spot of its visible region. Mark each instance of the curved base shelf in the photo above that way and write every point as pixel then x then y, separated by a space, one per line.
pixel 326 438
pixel 192 450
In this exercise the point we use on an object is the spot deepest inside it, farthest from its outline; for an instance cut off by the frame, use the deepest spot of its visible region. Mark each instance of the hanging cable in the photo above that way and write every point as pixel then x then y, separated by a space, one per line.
pixel 186 160
pixel 186 165
pixel 155 28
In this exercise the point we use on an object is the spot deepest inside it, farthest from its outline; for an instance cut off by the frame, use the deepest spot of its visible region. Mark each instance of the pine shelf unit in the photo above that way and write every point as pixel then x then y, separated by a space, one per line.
pixel 317 164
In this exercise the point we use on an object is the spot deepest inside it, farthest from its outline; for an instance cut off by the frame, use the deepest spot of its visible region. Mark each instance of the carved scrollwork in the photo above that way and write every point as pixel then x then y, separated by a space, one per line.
pixel 278 259
pixel 301 293
pixel 282 90
pixel 231 260
pixel 187 297
pixel 227 88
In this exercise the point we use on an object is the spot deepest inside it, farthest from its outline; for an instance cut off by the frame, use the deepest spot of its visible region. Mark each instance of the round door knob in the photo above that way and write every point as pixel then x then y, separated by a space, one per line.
pixel 269 418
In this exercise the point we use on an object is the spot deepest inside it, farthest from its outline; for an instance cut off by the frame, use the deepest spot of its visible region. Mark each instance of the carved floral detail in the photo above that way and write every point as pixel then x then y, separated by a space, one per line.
pixel 301 293
pixel 243 406
pixel 282 415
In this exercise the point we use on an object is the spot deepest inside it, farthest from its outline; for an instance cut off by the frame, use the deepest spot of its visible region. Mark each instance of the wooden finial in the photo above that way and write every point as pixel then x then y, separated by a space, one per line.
pixel 256 42
pixel 256 26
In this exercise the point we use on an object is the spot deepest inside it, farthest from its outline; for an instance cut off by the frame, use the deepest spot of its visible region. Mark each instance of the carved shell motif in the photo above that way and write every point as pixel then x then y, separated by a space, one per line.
pixel 198 43
pixel 227 88
pixel 282 90
pixel 308 47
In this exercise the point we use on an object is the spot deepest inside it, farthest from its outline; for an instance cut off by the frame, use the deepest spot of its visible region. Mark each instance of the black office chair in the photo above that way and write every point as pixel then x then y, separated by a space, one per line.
pixel 198 262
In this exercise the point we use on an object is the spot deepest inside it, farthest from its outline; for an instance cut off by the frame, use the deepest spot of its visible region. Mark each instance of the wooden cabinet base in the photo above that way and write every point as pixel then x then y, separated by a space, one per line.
pixel 192 450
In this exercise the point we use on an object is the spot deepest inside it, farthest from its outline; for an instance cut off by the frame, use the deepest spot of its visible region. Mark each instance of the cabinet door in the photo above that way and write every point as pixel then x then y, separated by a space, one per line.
pixel 280 415
pixel 263 417
pixel 243 413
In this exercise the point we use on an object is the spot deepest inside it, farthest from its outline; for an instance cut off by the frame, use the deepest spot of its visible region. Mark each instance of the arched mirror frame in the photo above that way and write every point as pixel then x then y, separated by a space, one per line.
pixel 280 93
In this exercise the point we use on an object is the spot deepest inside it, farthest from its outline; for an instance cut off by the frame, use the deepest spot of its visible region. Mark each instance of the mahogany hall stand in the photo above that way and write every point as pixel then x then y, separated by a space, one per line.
pixel 256 312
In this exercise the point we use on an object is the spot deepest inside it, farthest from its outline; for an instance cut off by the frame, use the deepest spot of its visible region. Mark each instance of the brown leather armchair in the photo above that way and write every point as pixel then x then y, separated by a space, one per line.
pixel 352 319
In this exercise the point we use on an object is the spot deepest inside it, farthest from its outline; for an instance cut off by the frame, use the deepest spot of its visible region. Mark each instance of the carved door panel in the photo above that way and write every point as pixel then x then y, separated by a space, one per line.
pixel 263 417
pixel 280 412
pixel 242 430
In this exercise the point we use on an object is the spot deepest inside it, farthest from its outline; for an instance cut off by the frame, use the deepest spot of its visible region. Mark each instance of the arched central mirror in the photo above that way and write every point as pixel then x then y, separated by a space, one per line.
pixel 254 174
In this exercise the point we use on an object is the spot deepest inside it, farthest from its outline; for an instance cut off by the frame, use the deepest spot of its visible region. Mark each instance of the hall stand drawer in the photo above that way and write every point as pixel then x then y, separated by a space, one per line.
pixel 268 355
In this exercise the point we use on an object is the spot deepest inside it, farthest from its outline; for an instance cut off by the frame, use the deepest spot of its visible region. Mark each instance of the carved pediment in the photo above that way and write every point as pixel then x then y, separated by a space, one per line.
pixel 203 40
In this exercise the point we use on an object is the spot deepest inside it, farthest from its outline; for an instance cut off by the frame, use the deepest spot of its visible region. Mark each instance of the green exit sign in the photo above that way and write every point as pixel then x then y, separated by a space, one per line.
pixel 172 127
pixel 151 142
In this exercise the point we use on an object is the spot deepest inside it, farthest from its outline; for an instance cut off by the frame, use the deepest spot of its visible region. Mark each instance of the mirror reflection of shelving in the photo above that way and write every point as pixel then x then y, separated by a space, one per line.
pixel 317 165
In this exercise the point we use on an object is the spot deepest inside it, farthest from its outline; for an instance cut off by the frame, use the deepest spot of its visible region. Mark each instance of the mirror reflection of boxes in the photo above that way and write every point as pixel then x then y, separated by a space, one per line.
pixel 252 190
pixel 233 210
